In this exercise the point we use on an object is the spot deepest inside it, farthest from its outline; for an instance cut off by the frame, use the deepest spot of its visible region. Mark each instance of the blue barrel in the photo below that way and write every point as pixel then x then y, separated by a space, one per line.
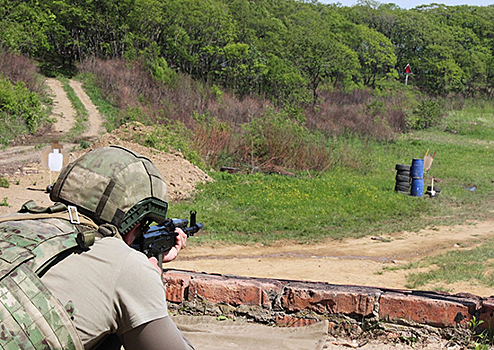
pixel 417 170
pixel 417 187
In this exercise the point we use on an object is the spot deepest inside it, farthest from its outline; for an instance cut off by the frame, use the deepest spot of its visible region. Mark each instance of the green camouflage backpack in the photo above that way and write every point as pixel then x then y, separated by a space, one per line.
pixel 32 318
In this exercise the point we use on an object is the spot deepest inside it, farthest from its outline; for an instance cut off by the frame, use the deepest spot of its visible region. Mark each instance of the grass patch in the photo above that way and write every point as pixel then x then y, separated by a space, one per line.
pixel 4 182
pixel 473 265
pixel 354 199
pixel 105 107
pixel 4 203
pixel 264 208
pixel 81 119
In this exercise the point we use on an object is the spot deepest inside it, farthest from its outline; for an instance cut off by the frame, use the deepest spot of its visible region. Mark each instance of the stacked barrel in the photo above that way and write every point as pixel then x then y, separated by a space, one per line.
pixel 417 176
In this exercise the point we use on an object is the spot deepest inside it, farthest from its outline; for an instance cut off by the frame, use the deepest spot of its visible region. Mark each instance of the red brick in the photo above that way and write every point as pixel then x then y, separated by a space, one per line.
pixel 423 310
pixel 231 291
pixel 486 313
pixel 290 321
pixel 327 298
pixel 176 285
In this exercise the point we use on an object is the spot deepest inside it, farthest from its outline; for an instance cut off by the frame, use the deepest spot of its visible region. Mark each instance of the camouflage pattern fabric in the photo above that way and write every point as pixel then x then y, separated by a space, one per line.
pixel 114 180
pixel 31 317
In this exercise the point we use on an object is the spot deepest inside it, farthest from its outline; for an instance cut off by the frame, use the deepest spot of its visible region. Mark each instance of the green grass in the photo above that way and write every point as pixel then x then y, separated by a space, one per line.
pixel 470 265
pixel 81 119
pixel 263 208
pixel 105 107
pixel 4 182
pixel 353 202
pixel 356 197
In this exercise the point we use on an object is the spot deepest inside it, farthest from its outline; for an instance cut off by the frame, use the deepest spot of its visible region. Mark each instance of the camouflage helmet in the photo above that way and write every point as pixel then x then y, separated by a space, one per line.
pixel 113 185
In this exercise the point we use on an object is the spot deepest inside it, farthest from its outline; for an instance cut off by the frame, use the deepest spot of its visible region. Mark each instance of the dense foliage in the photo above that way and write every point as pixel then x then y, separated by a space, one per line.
pixel 268 83
pixel 21 108
pixel 285 50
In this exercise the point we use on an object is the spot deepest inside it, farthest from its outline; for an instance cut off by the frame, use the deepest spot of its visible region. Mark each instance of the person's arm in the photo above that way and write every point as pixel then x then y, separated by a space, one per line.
pixel 160 334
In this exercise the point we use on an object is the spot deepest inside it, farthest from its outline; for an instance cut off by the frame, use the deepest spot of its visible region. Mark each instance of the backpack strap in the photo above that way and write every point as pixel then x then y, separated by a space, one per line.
pixel 32 318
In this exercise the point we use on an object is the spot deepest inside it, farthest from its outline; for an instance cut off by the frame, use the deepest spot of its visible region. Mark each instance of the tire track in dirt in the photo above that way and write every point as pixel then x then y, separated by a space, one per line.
pixel 95 121
pixel 18 159
pixel 62 110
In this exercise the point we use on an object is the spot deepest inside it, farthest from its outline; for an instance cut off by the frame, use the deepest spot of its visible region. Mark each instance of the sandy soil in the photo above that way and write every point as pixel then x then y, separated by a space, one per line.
pixel 364 261
pixel 95 120
pixel 62 110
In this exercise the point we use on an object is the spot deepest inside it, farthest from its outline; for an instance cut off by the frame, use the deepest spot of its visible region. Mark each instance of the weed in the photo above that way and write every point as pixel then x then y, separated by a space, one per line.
pixel 4 182
pixel 426 115
pixel 4 202
pixel 213 139
pixel 457 265
pixel 479 346
pixel 474 323
pixel 409 340
pixel 21 110
pixel 84 144
pixel 19 68
pixel 276 140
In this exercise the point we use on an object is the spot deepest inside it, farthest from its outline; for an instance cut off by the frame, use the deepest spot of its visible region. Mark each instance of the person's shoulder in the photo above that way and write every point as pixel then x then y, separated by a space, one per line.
pixel 113 242
pixel 118 247
pixel 113 245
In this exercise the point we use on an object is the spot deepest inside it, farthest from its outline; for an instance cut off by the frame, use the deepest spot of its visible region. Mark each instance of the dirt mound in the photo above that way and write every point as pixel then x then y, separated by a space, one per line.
pixel 30 176
pixel 180 175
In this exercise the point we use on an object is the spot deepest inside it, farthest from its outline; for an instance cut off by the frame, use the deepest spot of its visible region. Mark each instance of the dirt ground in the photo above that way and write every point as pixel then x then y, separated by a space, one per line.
pixel 366 261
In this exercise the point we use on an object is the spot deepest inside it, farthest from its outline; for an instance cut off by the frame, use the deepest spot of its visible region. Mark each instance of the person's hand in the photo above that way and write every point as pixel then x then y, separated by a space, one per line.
pixel 180 243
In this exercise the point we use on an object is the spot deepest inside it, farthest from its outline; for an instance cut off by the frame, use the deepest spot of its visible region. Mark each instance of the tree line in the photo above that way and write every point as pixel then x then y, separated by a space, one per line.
pixel 285 50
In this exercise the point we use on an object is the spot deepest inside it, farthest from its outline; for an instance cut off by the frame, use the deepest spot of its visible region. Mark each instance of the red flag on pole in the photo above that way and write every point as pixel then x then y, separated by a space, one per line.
pixel 408 70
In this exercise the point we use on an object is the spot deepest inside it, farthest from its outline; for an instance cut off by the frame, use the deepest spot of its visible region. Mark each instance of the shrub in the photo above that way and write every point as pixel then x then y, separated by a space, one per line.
pixel 18 68
pixel 213 140
pixel 20 110
pixel 428 113
pixel 274 140
pixel 172 135
pixel 163 73
pixel 360 112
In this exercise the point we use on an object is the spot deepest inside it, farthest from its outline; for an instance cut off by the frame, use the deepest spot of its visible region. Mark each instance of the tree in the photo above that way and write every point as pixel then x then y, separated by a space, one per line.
pixel 25 27
pixel 196 33
pixel 375 52
pixel 317 52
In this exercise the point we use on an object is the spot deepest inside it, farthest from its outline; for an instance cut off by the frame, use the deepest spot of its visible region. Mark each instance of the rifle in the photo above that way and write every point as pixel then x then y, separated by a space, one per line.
pixel 161 238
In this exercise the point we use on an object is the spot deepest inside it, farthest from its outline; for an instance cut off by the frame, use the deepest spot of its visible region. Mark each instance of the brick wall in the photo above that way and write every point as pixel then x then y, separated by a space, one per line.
pixel 297 303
